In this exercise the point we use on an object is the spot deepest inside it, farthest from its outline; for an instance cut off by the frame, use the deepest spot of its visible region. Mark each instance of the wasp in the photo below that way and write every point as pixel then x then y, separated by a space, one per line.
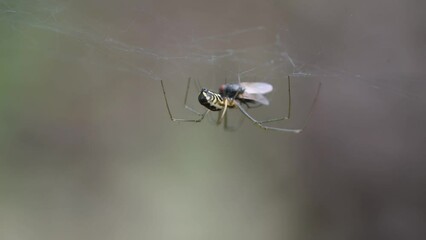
pixel 242 96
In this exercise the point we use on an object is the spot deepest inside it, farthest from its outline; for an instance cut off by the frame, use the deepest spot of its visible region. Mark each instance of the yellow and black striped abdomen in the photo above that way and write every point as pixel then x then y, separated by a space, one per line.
pixel 211 100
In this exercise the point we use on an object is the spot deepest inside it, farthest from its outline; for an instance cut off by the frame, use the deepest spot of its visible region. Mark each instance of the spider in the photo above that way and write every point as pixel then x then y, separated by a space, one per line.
pixel 237 95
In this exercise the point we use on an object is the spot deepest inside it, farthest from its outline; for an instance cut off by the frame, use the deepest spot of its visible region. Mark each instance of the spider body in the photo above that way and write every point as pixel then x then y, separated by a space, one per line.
pixel 214 101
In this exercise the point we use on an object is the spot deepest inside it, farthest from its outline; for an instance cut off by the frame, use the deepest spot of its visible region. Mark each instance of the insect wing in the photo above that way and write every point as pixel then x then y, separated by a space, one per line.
pixel 256 87
pixel 257 98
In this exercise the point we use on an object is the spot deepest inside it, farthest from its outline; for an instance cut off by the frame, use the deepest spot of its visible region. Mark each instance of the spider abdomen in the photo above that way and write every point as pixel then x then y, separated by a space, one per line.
pixel 211 100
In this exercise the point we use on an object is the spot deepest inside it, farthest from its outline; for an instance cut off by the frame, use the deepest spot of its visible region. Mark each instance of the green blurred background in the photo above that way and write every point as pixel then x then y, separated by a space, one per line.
pixel 87 150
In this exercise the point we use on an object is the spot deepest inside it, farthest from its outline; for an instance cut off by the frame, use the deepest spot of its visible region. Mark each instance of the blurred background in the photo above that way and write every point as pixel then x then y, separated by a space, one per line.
pixel 87 149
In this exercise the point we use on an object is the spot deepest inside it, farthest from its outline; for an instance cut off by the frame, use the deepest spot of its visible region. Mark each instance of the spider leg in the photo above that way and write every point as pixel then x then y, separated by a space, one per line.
pixel 232 101
pixel 186 98
pixel 180 119
pixel 198 85
pixel 222 112
pixel 288 107
pixel 228 128
pixel 260 124
pixel 225 123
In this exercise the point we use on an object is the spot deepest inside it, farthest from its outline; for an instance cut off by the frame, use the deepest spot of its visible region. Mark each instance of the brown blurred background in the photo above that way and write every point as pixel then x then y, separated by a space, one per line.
pixel 87 150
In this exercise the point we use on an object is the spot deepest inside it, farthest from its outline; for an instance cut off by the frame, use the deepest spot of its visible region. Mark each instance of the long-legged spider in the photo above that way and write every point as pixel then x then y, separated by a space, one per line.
pixel 235 95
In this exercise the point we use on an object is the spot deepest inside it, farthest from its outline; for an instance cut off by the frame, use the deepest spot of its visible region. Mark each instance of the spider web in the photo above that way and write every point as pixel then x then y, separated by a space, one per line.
pixel 166 56
pixel 142 40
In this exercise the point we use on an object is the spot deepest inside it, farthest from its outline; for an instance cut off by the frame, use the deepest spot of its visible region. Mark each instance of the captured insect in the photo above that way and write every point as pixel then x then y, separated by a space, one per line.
pixel 242 95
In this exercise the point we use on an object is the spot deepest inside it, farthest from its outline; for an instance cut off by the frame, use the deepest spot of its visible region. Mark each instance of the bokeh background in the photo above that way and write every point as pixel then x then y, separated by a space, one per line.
pixel 87 150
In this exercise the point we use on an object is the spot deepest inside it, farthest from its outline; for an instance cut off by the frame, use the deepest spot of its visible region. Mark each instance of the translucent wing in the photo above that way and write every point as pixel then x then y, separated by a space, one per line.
pixel 256 87
pixel 257 98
